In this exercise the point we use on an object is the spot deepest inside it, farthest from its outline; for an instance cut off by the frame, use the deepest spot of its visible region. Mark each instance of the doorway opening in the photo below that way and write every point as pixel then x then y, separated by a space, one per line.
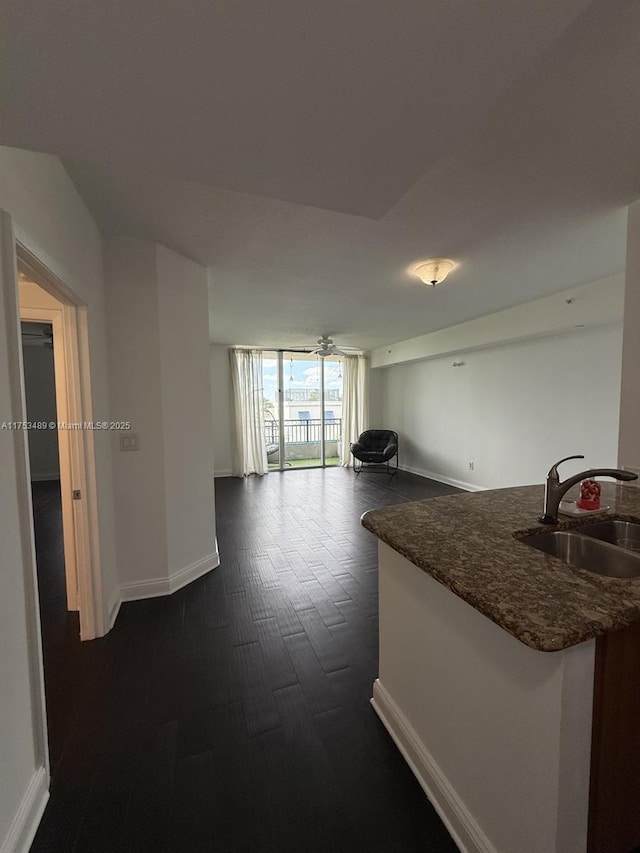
pixel 58 594
pixel 302 409
pixel 60 446
pixel 49 469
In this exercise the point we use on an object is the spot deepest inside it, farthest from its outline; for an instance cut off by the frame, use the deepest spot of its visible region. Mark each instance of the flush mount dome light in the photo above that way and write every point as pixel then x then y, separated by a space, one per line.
pixel 434 271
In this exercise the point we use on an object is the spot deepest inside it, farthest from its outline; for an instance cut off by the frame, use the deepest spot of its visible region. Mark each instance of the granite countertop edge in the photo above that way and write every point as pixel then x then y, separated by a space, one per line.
pixel 470 544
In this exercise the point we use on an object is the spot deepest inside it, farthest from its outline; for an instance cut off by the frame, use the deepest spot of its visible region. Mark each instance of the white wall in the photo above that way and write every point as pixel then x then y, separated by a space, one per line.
pixel 513 410
pixel 183 322
pixel 376 397
pixel 629 449
pixel 40 390
pixel 134 352
pixel 499 733
pixel 221 409
pixel 159 373
pixel 51 221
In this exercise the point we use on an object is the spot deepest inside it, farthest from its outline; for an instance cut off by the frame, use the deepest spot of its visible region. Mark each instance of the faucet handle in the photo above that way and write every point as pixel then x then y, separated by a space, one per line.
pixel 553 471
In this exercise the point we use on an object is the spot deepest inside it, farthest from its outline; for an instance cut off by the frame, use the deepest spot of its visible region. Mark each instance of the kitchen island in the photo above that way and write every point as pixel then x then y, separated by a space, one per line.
pixel 508 678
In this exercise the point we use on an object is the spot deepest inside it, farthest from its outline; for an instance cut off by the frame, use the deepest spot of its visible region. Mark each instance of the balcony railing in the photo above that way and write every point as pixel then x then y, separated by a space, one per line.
pixel 311 395
pixel 303 431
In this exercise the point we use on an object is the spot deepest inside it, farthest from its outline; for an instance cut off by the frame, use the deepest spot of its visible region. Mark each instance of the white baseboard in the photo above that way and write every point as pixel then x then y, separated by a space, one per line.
pixel 454 814
pixel 224 473
pixel 25 823
pixel 440 478
pixel 190 573
pixel 41 478
pixel 114 608
pixel 155 587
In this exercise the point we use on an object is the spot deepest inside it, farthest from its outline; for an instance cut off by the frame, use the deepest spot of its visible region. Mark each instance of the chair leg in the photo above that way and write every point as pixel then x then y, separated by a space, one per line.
pixel 382 467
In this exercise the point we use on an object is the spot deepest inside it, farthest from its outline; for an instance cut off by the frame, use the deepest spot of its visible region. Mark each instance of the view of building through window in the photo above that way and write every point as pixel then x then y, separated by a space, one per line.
pixel 303 417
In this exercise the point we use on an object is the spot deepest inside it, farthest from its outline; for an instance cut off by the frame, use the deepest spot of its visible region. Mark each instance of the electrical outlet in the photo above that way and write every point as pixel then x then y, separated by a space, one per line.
pixel 472 466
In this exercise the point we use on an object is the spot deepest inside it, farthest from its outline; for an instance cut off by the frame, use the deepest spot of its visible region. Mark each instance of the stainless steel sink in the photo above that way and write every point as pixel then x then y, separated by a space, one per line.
pixel 587 552
pixel 624 534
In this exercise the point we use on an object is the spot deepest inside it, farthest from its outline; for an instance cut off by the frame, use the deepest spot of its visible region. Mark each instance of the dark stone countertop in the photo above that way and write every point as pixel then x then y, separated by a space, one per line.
pixel 467 543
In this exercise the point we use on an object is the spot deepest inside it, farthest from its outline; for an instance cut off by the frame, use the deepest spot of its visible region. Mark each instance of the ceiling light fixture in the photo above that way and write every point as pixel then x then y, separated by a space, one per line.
pixel 434 271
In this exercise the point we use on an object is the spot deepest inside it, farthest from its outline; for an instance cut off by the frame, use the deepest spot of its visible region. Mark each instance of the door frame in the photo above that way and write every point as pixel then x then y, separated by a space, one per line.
pixel 73 372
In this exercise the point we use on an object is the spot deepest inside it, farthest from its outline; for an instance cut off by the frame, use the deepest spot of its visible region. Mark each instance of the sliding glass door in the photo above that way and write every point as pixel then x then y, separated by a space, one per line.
pixel 302 410
pixel 271 406
pixel 332 409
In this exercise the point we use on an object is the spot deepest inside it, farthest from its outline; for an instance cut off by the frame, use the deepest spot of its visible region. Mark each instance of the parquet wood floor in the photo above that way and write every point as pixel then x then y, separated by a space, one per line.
pixel 234 716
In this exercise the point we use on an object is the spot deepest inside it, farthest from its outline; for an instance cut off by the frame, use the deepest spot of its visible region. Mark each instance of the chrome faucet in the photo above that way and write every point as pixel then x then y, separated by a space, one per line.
pixel 554 489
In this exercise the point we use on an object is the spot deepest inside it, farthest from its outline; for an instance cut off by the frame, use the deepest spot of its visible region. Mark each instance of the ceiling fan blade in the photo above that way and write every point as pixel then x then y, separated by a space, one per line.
pixel 325 347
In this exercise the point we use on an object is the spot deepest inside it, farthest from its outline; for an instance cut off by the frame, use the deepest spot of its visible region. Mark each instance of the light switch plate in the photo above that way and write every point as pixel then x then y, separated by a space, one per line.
pixel 129 441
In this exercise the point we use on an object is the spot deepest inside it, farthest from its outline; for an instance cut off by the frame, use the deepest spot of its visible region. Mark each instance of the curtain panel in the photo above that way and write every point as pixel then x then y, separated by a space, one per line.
pixel 355 403
pixel 250 450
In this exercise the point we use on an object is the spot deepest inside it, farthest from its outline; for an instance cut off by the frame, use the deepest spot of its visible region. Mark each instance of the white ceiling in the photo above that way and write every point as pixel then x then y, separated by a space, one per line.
pixel 307 152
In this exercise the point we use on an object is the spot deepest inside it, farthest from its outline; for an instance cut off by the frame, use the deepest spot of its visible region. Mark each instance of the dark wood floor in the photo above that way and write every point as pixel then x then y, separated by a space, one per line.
pixel 234 716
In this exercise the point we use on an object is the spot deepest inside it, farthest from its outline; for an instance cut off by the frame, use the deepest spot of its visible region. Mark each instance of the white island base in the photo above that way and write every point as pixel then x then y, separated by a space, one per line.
pixel 498 734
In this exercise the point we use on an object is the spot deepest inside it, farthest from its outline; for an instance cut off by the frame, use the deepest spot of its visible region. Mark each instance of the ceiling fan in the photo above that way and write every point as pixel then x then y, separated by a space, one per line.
pixel 326 347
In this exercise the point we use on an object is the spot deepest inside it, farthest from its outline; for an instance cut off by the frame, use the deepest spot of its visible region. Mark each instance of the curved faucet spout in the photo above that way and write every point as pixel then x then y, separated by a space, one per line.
pixel 554 490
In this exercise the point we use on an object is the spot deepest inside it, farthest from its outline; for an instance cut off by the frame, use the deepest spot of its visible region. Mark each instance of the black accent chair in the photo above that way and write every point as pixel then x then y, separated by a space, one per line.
pixel 374 450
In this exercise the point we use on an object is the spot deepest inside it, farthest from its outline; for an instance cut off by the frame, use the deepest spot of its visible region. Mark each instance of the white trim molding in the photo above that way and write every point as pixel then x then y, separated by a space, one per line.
pixel 440 478
pixel 456 817
pixel 27 818
pixel 155 587
pixel 115 603
pixel 226 472
pixel 77 453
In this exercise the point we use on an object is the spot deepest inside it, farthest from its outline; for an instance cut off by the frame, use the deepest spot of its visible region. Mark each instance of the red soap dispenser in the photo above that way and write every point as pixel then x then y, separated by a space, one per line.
pixel 589 495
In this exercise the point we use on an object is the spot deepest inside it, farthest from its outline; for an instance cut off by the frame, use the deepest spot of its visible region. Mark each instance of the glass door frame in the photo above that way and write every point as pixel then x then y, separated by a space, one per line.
pixel 281 354
pixel 281 460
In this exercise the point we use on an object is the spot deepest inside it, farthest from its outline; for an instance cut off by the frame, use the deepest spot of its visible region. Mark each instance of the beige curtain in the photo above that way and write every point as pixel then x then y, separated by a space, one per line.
pixel 355 403
pixel 250 450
